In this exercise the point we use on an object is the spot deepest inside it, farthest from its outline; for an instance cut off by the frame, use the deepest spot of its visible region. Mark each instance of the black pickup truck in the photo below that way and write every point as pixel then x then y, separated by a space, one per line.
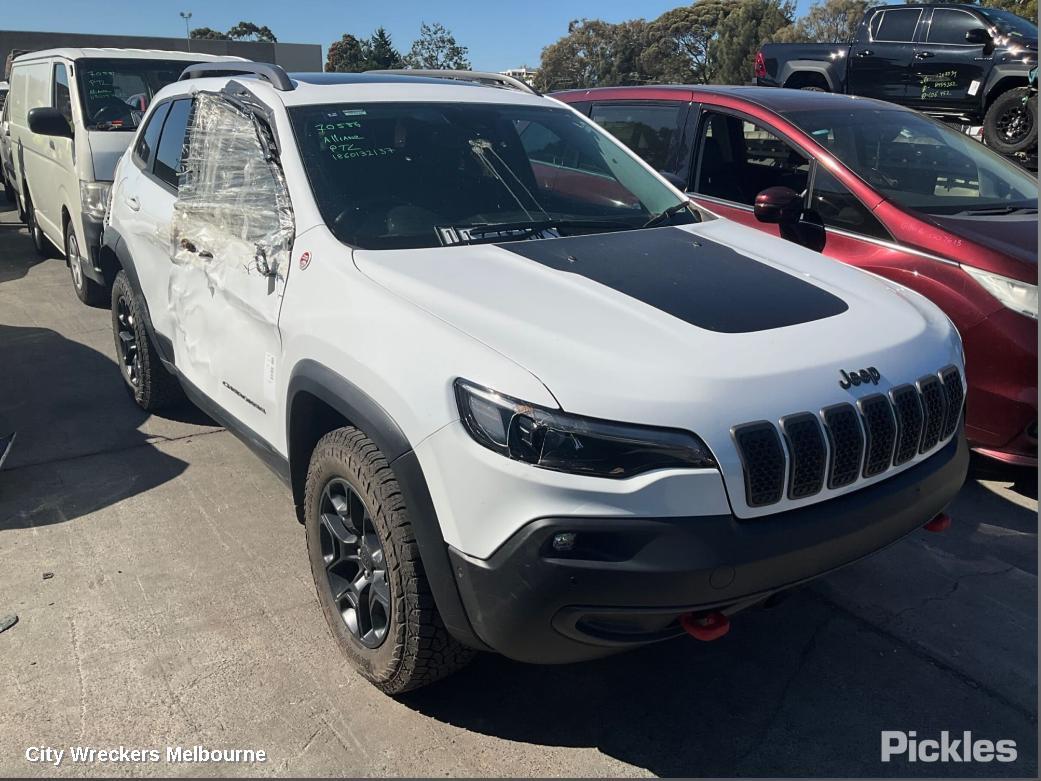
pixel 956 61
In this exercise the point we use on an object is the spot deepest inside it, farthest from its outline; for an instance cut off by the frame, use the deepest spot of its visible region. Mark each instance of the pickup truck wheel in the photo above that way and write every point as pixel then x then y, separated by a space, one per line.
pixel 87 290
pixel 1010 125
pixel 367 568
pixel 150 385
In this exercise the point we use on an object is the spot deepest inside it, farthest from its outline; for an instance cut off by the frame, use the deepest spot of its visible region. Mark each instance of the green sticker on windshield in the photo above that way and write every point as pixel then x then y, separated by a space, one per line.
pixel 346 139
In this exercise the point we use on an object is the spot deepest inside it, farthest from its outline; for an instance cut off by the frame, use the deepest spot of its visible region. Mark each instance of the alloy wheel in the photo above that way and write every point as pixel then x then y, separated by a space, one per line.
pixel 127 337
pixel 355 567
pixel 72 253
pixel 1014 124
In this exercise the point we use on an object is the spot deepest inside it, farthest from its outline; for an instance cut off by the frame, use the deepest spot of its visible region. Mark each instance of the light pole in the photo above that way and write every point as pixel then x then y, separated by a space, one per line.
pixel 187 15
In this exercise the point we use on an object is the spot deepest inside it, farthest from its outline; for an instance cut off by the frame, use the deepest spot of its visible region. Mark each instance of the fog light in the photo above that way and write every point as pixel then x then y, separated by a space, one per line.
pixel 564 542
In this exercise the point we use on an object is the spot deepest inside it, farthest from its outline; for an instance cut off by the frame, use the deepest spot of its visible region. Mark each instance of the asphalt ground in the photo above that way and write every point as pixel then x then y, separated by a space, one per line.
pixel 164 599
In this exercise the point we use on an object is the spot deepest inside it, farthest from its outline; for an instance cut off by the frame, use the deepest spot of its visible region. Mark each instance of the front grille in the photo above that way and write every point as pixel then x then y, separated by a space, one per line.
pixel 763 462
pixel 844 442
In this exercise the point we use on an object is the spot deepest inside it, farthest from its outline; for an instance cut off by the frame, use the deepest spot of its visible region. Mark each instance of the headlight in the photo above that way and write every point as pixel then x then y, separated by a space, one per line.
pixel 568 443
pixel 1018 296
pixel 94 199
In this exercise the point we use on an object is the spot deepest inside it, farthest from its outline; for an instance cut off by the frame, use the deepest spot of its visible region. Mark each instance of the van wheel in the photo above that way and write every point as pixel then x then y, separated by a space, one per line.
pixel 1010 126
pixel 87 290
pixel 367 568
pixel 40 242
pixel 150 385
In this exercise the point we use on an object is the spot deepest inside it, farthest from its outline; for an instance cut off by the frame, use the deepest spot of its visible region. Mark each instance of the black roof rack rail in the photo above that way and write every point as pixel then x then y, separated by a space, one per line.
pixel 480 77
pixel 278 78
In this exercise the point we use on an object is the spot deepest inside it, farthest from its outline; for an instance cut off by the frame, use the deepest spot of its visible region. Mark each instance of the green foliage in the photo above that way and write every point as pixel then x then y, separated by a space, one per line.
pixel 247 31
pixel 678 42
pixel 826 21
pixel 739 35
pixel 595 54
pixel 206 33
pixel 347 55
pixel 437 48
pixel 382 55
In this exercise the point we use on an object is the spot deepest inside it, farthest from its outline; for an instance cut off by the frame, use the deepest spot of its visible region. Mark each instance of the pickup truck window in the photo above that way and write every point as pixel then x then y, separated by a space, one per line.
pixel 737 159
pixel 895 25
pixel 919 163
pixel 646 129
pixel 949 25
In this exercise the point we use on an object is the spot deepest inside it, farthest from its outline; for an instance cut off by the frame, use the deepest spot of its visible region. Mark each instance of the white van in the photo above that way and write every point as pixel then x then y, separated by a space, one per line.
pixel 72 113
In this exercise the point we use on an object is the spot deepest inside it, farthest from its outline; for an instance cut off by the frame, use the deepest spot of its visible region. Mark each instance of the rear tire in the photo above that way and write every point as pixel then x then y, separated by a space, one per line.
pixel 813 88
pixel 367 568
pixel 87 290
pixel 150 385
pixel 1010 126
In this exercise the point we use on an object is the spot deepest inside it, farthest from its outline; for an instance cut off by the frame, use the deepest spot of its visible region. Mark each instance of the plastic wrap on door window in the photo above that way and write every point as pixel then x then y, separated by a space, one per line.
pixel 232 205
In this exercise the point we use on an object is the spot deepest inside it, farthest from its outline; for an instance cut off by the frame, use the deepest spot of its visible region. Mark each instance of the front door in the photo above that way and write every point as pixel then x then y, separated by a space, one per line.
pixel 231 237
pixel 881 66
pixel 948 71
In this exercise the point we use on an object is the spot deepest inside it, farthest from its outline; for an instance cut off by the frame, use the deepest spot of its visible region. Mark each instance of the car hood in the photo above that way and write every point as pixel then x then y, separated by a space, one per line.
pixel 106 147
pixel 702 327
pixel 1013 235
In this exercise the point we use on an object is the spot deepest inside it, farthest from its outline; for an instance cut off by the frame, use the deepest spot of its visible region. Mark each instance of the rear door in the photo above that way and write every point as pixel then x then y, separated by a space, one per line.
pixel 948 71
pixel 880 66
pixel 652 129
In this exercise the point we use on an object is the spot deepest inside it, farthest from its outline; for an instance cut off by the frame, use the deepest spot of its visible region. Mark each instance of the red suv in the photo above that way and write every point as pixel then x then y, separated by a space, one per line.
pixel 878 186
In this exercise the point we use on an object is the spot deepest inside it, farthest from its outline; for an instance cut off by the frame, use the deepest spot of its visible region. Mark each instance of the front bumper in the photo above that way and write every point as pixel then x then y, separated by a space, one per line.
pixel 628 580
pixel 92 235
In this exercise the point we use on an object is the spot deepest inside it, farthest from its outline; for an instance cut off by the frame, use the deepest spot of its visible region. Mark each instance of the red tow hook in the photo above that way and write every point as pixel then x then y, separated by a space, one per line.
pixel 706 627
pixel 940 523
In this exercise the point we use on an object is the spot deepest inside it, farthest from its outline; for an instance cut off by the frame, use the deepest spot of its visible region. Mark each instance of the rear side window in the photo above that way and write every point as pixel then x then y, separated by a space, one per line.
pixel 146 142
pixel 841 209
pixel 648 130
pixel 895 25
pixel 61 97
pixel 170 151
pixel 949 26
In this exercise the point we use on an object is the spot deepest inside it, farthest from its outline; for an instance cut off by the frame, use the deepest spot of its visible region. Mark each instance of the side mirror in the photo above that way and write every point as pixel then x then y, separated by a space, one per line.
pixel 674 180
pixel 49 122
pixel 778 206
pixel 978 37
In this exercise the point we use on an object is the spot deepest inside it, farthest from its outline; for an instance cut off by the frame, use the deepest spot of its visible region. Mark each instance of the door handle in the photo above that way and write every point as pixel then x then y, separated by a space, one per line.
pixel 865 53
pixel 132 202
pixel 923 55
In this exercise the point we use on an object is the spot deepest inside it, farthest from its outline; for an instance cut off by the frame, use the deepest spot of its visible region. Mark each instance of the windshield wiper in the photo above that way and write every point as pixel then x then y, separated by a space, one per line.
pixel 513 231
pixel 661 217
pixel 998 211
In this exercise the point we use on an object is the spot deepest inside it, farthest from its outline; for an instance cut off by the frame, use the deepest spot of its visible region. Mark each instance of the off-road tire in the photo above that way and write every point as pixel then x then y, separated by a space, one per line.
pixel 993 134
pixel 87 290
pixel 150 385
pixel 417 649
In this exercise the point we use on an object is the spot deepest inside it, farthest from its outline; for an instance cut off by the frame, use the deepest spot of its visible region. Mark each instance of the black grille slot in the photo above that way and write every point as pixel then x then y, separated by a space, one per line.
pixel 909 420
pixel 880 426
pixel 955 395
pixel 934 403
pixel 807 453
pixel 847 444
pixel 763 462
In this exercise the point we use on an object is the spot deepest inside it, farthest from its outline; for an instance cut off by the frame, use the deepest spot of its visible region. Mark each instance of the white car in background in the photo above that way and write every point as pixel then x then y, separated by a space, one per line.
pixel 526 396
pixel 68 122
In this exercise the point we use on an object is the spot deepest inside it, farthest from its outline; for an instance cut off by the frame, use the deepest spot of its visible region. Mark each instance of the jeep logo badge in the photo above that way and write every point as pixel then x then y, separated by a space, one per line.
pixel 861 377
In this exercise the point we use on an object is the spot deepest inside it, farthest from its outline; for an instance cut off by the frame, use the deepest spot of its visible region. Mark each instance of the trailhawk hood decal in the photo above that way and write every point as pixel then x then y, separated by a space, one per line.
pixel 604 349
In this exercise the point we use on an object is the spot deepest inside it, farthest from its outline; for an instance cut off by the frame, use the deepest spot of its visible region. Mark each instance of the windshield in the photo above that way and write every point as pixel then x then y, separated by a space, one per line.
pixel 115 93
pixel 919 163
pixel 392 175
pixel 1010 24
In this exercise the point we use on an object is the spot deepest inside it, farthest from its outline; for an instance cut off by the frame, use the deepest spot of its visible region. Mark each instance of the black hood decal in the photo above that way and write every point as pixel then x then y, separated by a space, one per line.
pixel 699 281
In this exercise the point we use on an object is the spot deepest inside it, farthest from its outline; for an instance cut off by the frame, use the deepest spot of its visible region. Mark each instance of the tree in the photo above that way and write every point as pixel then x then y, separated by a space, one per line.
pixel 747 25
pixel 826 21
pixel 207 33
pixel 381 53
pixel 595 53
pixel 247 31
pixel 347 55
pixel 436 49
pixel 678 42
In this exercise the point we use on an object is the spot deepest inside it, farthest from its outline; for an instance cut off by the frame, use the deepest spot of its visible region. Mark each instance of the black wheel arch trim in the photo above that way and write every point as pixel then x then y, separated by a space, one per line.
pixel 1014 72
pixel 366 414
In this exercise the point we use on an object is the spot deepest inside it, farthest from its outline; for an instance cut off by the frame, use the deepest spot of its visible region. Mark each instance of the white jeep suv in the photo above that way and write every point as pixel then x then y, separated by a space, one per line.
pixel 526 397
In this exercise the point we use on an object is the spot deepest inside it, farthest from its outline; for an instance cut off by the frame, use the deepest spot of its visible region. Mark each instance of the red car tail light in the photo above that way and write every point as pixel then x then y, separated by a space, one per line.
pixel 760 65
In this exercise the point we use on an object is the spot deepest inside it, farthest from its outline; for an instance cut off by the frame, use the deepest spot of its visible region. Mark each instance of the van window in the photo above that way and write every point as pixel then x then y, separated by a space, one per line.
pixel 646 129
pixel 149 137
pixel 62 98
pixel 171 144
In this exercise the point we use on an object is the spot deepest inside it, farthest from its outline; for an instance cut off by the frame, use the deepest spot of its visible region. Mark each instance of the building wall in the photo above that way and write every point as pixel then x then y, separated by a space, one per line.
pixel 291 56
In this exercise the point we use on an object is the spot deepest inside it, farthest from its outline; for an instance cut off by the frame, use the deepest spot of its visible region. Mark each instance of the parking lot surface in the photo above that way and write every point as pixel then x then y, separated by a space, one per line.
pixel 164 599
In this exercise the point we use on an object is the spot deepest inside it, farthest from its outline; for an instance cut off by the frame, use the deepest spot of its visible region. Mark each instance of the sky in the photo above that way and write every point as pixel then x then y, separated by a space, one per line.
pixel 498 34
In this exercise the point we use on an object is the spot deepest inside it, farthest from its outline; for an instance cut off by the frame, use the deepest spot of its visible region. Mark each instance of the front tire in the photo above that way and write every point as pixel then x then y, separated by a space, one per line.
pixel 1010 126
pixel 150 385
pixel 367 568
pixel 87 290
